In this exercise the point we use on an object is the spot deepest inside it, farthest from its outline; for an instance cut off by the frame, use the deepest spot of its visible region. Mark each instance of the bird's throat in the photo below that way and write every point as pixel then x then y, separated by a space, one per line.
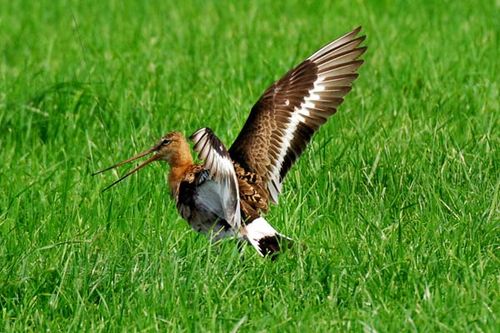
pixel 179 165
pixel 174 178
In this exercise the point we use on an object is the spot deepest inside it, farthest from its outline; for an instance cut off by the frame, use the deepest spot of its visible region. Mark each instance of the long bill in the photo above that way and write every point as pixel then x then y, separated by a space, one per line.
pixel 133 158
pixel 140 166
pixel 137 168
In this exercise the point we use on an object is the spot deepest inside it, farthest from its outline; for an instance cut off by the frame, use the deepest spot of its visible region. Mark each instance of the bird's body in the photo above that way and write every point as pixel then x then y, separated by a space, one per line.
pixel 207 201
pixel 229 192
pixel 198 200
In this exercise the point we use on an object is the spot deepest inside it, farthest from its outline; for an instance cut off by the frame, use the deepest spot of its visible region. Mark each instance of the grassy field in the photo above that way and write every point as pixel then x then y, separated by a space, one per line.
pixel 395 204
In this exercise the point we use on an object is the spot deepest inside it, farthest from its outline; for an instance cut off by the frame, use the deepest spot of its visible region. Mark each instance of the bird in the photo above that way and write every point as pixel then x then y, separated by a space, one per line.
pixel 228 193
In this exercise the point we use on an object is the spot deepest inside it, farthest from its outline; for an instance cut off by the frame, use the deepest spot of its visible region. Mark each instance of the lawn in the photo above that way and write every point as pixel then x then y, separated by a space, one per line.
pixel 394 206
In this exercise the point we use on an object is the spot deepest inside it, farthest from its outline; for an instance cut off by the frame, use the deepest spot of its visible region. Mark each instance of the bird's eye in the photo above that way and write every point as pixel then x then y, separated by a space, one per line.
pixel 165 142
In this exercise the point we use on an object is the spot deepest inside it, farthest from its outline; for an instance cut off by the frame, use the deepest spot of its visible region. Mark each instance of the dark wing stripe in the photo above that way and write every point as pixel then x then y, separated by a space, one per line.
pixel 289 112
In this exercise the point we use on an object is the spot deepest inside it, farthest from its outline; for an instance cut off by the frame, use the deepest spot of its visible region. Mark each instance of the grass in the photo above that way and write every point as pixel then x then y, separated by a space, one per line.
pixel 395 204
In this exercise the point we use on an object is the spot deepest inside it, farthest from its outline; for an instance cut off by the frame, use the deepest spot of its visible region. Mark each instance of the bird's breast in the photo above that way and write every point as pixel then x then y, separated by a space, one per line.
pixel 199 203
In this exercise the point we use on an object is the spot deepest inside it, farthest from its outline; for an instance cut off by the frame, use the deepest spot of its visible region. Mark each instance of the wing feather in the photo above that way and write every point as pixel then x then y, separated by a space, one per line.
pixel 221 170
pixel 284 119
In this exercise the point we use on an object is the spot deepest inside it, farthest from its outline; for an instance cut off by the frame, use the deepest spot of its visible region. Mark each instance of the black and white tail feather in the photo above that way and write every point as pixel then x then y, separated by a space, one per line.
pixel 264 238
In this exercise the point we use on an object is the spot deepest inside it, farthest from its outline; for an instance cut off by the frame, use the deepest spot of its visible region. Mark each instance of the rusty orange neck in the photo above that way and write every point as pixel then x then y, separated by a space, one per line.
pixel 180 161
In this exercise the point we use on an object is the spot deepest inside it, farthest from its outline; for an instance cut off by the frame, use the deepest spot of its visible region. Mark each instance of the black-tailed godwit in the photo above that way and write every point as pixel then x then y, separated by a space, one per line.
pixel 228 194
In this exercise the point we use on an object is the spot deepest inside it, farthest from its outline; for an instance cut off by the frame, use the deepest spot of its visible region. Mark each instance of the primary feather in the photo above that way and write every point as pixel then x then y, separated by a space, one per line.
pixel 283 120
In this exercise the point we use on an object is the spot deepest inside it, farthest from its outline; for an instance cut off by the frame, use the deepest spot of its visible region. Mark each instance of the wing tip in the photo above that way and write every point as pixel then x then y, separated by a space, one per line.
pixel 353 33
pixel 362 50
pixel 339 42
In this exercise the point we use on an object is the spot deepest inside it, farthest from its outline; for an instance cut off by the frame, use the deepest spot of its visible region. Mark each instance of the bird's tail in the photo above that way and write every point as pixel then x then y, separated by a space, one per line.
pixel 264 238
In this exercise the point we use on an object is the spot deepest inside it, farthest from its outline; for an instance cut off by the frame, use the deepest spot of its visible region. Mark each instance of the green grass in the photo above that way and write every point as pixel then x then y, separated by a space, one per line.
pixel 395 204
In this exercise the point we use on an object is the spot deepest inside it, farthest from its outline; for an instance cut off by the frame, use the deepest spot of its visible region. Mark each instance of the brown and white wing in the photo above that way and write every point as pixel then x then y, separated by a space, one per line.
pixel 289 112
pixel 221 170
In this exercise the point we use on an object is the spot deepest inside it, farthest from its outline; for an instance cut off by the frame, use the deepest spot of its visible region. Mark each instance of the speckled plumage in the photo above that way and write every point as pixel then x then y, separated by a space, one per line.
pixel 229 192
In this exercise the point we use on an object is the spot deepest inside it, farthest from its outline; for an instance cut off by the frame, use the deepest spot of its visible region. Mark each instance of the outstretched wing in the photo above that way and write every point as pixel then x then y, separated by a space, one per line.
pixel 221 170
pixel 284 119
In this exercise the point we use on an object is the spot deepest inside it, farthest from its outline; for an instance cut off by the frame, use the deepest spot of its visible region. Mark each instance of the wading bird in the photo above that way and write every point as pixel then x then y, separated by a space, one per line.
pixel 227 195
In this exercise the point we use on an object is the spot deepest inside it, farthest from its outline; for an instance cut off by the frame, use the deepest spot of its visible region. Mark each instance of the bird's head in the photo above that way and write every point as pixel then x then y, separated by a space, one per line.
pixel 173 148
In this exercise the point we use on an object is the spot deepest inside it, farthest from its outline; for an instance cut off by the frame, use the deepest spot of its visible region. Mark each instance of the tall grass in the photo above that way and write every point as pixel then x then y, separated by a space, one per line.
pixel 394 206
